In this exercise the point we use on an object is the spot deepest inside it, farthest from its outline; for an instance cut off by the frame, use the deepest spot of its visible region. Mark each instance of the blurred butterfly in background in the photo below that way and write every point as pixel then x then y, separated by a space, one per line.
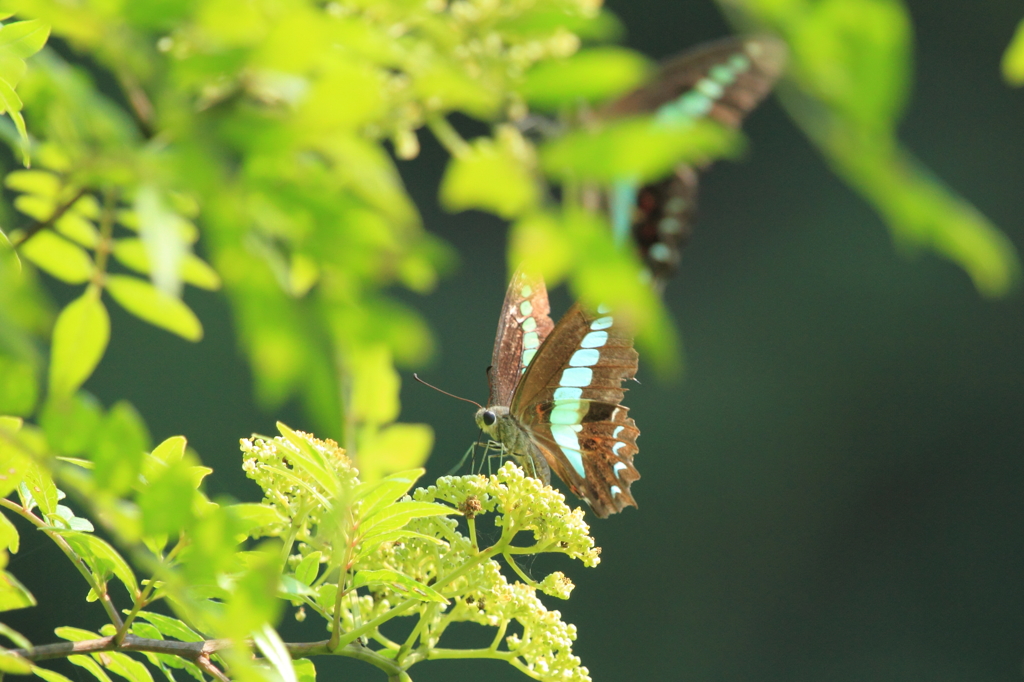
pixel 556 393
pixel 722 81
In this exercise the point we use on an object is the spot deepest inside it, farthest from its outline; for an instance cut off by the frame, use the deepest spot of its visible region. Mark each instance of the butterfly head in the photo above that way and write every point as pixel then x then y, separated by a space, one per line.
pixel 488 418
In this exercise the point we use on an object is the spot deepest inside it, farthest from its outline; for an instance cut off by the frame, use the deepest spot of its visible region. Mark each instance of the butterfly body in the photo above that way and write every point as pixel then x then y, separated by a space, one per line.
pixel 556 393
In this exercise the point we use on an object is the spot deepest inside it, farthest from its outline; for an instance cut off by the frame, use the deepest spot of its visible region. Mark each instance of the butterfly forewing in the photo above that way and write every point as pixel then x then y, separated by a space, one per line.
pixel 569 401
pixel 524 324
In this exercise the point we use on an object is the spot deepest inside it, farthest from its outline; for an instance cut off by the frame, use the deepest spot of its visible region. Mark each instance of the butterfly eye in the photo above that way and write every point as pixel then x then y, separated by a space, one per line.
pixel 489 418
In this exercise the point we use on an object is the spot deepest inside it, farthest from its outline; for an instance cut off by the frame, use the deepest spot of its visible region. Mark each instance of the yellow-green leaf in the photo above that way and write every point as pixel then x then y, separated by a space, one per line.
pixel 1013 58
pixel 587 76
pixel 640 149
pixel 400 582
pixel 23 39
pixel 148 303
pixel 492 177
pixel 13 595
pixel 80 338
pixel 58 257
pixel 393 448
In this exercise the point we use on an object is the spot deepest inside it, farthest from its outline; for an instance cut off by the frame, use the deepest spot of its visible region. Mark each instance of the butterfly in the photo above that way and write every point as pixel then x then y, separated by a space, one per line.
pixel 555 394
pixel 723 81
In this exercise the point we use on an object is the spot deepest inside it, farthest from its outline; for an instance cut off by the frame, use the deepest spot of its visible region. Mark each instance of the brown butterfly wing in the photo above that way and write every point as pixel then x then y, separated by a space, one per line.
pixel 570 402
pixel 765 57
pixel 524 324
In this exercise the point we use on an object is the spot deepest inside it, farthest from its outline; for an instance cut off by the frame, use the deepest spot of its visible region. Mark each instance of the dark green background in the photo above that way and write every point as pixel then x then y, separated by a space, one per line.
pixel 832 491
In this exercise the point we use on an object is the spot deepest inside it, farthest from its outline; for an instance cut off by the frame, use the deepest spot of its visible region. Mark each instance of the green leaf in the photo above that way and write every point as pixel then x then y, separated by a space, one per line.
pixel 80 337
pixel 370 545
pixel 588 76
pixel 19 390
pixel 639 149
pixel 1013 58
pixel 395 516
pixel 305 671
pixel 14 664
pixel 131 252
pixel 92 666
pixel 7 252
pixel 126 666
pixel 58 257
pixel 22 39
pixel 253 515
pixel 308 568
pixel 400 582
pixel 19 639
pixel 78 229
pixel 9 538
pixel 121 445
pixel 273 649
pixel 72 634
pixel 855 55
pixel 165 503
pixel 304 457
pixel 48 675
pixel 43 491
pixel 393 447
pixel 70 422
pixel 13 594
pixel 171 627
pixel 377 495
pixel 375 384
pixel 39 182
pixel 148 303
pixel 493 175
pixel 100 554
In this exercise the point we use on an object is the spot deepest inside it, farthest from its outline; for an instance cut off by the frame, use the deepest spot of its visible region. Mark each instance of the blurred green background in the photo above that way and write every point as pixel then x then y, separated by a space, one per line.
pixel 832 490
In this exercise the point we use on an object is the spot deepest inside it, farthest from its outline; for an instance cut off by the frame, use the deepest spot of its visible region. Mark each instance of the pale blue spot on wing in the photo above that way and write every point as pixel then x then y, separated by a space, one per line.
pixel 722 74
pixel 601 323
pixel 710 88
pixel 526 308
pixel 615 490
pixel 615 448
pixel 617 431
pixel 567 393
pixel 617 467
pixel 528 356
pixel 695 104
pixel 531 340
pixel 567 441
pixel 594 340
pixel 586 357
pixel 739 63
pixel 577 376
pixel 675 205
pixel 603 309
pixel 576 460
pixel 660 252
pixel 526 291
pixel 529 325
pixel 669 225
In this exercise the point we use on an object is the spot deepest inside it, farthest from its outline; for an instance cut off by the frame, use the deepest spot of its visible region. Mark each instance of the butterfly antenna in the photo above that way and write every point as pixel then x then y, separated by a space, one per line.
pixel 417 378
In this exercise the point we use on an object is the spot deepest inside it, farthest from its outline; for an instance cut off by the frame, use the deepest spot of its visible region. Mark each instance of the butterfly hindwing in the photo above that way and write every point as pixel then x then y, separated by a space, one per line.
pixel 569 402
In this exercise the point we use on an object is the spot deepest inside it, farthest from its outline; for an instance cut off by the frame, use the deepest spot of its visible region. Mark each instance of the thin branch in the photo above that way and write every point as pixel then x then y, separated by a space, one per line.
pixel 189 650
pixel 40 225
